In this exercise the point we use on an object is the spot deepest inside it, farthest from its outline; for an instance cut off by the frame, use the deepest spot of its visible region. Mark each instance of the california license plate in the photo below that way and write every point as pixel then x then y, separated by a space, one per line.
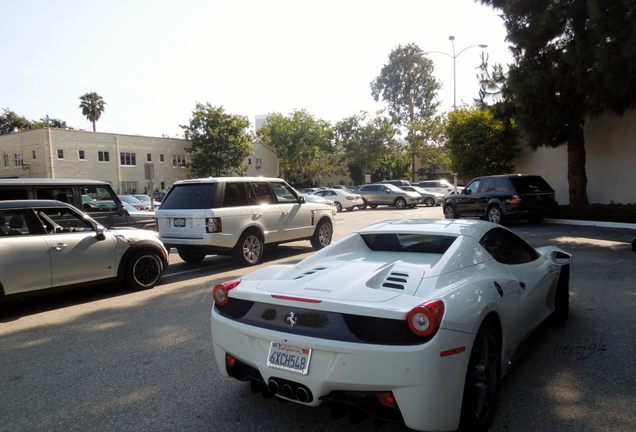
pixel 179 222
pixel 289 358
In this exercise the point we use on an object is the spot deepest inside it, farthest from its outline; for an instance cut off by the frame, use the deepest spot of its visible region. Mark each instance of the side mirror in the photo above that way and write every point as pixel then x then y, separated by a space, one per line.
pixel 560 258
pixel 301 200
pixel 467 191
pixel 121 210
pixel 99 231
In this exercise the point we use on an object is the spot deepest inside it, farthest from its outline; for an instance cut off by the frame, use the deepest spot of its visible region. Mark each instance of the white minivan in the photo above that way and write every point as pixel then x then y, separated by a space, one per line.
pixel 238 216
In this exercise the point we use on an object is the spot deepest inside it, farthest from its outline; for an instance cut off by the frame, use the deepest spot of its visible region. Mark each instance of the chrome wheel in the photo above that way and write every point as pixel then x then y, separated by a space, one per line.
pixel 449 212
pixel 429 202
pixel 338 206
pixel 400 203
pixel 322 236
pixel 249 250
pixel 495 215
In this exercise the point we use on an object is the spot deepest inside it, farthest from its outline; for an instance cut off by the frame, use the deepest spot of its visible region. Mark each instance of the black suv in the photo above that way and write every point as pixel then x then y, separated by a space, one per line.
pixel 497 198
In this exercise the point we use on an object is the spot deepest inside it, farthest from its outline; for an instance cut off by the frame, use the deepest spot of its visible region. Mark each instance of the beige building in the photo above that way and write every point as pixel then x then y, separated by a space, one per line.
pixel 117 159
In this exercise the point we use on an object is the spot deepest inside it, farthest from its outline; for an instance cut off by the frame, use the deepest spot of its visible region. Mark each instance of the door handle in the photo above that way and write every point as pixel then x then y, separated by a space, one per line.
pixel 285 213
pixel 59 246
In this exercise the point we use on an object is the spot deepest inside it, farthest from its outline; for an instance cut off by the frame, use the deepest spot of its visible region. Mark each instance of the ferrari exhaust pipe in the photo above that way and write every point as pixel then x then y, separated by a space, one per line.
pixel 287 391
pixel 301 394
pixel 272 386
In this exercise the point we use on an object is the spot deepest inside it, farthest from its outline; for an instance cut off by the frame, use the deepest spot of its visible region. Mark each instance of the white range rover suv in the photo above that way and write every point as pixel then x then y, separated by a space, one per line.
pixel 238 216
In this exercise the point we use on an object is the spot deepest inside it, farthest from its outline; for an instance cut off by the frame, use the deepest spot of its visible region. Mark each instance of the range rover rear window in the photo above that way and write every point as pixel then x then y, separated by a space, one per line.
pixel 192 196
pixel 531 184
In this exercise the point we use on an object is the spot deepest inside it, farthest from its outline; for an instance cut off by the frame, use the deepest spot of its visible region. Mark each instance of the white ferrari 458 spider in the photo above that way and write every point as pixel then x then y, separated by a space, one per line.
pixel 413 321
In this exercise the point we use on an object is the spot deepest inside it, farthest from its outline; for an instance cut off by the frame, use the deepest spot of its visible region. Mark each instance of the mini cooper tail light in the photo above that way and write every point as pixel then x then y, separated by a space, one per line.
pixel 221 291
pixel 213 225
pixel 516 199
pixel 425 319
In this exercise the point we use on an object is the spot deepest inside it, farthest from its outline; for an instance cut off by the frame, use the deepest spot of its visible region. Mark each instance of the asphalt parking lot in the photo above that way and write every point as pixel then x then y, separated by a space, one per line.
pixel 107 359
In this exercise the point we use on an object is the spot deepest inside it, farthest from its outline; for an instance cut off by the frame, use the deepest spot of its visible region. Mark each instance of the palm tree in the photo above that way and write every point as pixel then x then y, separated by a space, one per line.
pixel 92 107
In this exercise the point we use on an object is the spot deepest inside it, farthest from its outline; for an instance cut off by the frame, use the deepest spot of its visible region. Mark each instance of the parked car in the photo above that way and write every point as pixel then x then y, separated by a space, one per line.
pixel 147 200
pixel 398 183
pixel 318 199
pixel 238 216
pixel 83 194
pixel 429 199
pixel 374 195
pixel 158 196
pixel 405 320
pixel 343 198
pixel 47 244
pixel 135 202
pixel 143 219
pixel 439 186
pixel 497 198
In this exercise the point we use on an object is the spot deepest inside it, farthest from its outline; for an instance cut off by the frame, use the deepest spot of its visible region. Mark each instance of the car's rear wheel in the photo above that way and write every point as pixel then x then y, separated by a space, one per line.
pixel 249 249
pixel 400 203
pixel 322 236
pixel 373 206
pixel 191 257
pixel 495 215
pixel 450 212
pixel 350 208
pixel 562 297
pixel 481 389
pixel 338 206
pixel 429 202
pixel 144 270
pixel 364 205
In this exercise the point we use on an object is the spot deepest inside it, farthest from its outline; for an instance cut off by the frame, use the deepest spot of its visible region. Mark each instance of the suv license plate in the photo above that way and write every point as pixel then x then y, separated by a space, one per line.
pixel 179 222
pixel 289 358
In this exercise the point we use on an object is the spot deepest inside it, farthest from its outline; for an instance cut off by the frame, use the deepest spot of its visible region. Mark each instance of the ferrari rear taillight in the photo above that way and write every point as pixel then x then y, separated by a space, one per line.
pixel 386 399
pixel 221 291
pixel 516 199
pixel 425 319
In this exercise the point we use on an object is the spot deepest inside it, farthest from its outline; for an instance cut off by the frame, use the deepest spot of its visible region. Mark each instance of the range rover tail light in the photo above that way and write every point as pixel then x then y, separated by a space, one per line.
pixel 425 319
pixel 516 199
pixel 213 225
pixel 221 291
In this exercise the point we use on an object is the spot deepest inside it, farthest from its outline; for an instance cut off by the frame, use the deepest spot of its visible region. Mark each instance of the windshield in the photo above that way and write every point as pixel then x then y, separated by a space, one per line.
pixel 395 242
pixel 192 196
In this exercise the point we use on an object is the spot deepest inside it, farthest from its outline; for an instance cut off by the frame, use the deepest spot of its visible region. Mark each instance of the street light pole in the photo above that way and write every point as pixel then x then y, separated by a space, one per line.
pixel 454 57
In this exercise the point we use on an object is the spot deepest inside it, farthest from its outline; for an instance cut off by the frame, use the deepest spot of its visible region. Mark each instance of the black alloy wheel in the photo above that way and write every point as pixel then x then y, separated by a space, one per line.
pixel 144 270
pixel 481 390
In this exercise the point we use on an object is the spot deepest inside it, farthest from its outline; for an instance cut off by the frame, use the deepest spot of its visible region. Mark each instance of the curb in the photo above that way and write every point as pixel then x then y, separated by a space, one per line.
pixel 592 223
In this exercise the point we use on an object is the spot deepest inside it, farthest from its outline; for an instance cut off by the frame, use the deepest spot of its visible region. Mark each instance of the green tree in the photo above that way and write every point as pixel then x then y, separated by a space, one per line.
pixel 572 60
pixel 301 141
pixel 10 122
pixel 479 144
pixel 92 106
pixel 428 143
pixel 49 122
pixel 220 142
pixel 407 85
pixel 363 142
pixel 393 165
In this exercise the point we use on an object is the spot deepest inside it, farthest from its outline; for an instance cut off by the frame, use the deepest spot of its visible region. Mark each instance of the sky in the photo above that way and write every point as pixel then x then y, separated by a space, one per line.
pixel 153 60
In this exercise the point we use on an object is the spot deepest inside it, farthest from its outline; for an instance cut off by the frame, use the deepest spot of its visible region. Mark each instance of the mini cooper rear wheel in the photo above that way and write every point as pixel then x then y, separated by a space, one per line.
pixel 481 389
pixel 450 212
pixel 249 249
pixel 495 215
pixel 429 202
pixel 144 270
pixel 322 236
pixel 191 257
pixel 400 203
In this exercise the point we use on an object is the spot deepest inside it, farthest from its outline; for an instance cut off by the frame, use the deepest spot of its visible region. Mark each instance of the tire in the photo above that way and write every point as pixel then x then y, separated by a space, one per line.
pixel 562 297
pixel 429 202
pixel 322 236
pixel 481 389
pixel 144 270
pixel 364 205
pixel 338 206
pixel 373 206
pixel 450 212
pixel 249 249
pixel 400 203
pixel 191 257
pixel 350 208
pixel 495 215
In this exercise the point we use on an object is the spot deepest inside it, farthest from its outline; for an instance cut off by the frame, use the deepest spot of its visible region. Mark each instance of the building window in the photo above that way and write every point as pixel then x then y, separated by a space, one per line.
pixel 60 154
pixel 163 185
pixel 5 161
pixel 82 156
pixel 34 155
pixel 249 161
pixel 178 160
pixel 162 158
pixel 259 164
pixel 149 157
pixel 128 158
pixel 17 159
pixel 103 156
pixel 129 187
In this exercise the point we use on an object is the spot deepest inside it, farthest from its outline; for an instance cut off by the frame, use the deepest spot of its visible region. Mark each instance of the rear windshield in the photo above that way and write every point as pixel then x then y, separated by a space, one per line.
pixel 394 242
pixel 530 184
pixel 193 196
